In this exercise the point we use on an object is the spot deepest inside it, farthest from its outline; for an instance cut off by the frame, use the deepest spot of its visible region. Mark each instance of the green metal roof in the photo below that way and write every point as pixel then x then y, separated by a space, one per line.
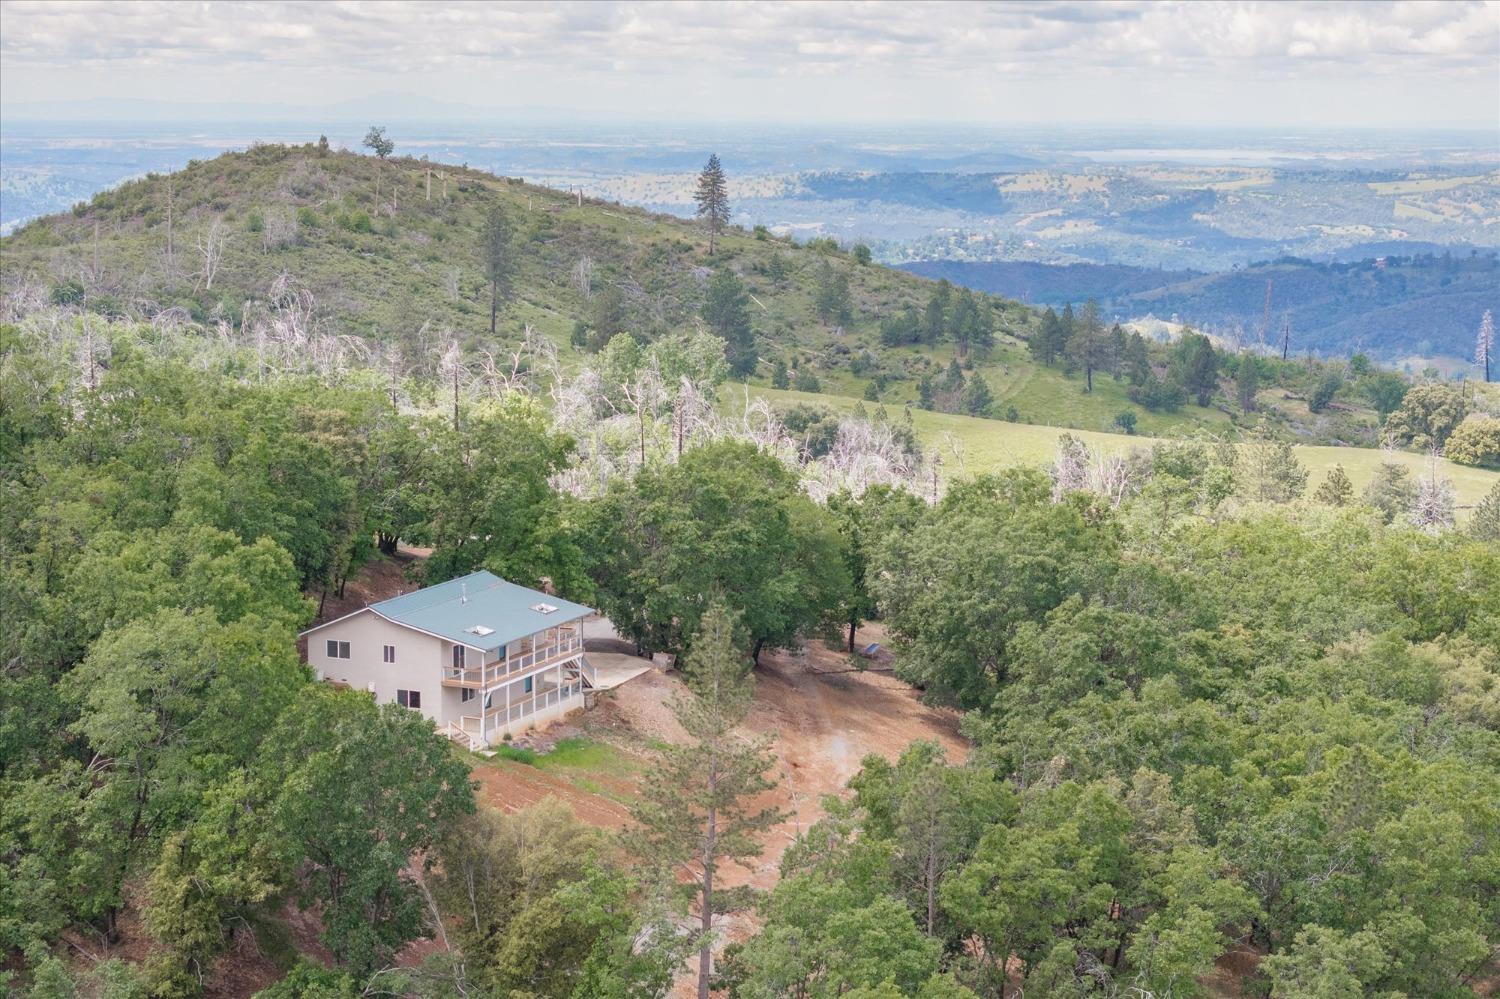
pixel 480 600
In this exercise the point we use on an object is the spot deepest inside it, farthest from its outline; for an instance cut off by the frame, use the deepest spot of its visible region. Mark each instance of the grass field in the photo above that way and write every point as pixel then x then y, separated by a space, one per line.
pixel 971 446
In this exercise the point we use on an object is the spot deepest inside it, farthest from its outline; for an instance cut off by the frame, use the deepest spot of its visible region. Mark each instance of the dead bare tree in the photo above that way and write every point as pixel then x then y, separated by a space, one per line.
pixel 210 243
pixel 583 276
pixel 454 371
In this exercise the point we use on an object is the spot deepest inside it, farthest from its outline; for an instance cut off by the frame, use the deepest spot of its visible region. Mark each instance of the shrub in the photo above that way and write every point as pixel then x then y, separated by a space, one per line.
pixel 806 381
pixel 358 222
pixel 308 218
pixel 1125 420
pixel 1327 388
pixel 67 293
pixel 255 222
pixel 1476 441
pixel 861 254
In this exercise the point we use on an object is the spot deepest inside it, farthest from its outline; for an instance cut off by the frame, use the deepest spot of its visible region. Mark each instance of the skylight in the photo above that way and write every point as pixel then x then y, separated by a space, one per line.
pixel 480 630
pixel 543 608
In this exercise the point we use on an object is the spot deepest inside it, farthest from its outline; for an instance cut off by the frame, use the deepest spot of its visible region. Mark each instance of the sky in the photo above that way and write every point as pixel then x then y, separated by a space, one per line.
pixel 1369 64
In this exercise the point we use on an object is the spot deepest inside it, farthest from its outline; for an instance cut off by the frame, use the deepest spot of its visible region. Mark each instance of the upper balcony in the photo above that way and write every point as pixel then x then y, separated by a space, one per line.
pixel 542 649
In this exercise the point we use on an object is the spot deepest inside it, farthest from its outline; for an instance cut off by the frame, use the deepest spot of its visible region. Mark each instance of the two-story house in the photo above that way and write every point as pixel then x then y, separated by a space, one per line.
pixel 479 656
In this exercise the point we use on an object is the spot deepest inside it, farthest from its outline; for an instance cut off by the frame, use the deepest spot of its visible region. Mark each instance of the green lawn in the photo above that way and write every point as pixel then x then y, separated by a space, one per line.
pixel 572 757
pixel 971 446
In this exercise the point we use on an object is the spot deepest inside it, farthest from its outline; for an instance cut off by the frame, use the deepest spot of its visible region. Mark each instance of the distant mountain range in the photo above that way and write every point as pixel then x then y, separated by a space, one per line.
pixel 1429 304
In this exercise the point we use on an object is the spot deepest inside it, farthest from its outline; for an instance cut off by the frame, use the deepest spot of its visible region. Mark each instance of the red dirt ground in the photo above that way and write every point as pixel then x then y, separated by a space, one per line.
pixel 821 724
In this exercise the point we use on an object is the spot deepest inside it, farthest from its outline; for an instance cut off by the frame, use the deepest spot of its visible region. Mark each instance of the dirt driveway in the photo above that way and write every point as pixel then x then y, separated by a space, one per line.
pixel 823 719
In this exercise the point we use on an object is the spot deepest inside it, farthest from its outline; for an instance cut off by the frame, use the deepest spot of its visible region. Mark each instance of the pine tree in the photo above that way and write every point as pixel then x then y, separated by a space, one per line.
pixel 1270 471
pixel 832 297
pixel 1088 346
pixel 499 264
pixel 926 392
pixel 1137 360
pixel 1485 522
pixel 1044 342
pixel 1200 367
pixel 1484 343
pixel 1336 490
pixel 726 311
pixel 1390 490
pixel 712 197
pixel 977 399
pixel 935 318
pixel 696 808
pixel 1247 383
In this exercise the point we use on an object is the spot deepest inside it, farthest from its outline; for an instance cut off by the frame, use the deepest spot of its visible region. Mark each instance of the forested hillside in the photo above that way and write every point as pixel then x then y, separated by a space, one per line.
pixel 1391 308
pixel 1227 739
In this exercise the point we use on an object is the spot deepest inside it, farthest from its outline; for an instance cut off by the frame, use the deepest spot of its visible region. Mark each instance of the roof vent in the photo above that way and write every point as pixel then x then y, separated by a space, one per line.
pixel 463 593
pixel 543 608
pixel 480 630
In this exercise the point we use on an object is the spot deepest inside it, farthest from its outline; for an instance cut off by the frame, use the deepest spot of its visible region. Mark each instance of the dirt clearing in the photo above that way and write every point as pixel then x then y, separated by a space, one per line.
pixel 822 720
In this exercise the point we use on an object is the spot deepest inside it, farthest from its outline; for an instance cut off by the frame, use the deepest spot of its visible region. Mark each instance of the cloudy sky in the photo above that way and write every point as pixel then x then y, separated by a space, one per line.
pixel 1280 63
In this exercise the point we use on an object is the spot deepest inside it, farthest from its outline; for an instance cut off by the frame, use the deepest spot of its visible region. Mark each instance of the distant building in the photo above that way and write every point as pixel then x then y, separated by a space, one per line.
pixel 479 656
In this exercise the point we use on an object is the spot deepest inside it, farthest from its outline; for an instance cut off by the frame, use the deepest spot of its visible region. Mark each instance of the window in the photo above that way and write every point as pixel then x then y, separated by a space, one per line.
pixel 338 650
pixel 409 698
pixel 458 657
pixel 526 685
pixel 390 653
pixel 467 694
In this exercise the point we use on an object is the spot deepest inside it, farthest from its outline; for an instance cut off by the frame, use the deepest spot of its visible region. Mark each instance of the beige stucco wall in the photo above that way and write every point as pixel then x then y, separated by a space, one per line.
pixel 418 665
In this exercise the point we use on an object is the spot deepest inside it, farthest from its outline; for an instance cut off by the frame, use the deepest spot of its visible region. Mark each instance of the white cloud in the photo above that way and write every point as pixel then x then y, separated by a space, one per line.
pixel 1089 54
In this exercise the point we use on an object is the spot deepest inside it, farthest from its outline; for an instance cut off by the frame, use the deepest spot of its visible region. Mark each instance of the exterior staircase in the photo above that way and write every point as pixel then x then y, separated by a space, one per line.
pixel 455 732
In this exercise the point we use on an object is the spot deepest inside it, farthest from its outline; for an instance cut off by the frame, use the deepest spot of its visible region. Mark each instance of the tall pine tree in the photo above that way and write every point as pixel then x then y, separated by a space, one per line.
pixel 499 265
pixel 697 807
pixel 712 197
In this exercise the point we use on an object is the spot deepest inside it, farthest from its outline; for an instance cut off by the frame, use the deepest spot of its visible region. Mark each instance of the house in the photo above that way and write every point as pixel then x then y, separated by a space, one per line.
pixel 481 657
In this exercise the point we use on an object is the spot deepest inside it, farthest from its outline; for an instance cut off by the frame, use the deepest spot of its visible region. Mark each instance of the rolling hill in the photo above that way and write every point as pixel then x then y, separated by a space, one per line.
pixel 391 252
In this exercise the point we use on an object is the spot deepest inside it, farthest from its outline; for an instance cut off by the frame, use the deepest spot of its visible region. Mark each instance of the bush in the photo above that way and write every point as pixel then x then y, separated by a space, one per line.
pixel 308 218
pixel 255 222
pixel 1476 441
pixel 806 381
pixel 1323 395
pixel 67 293
pixel 358 222
pixel 1157 394
pixel 1125 421
pixel 861 254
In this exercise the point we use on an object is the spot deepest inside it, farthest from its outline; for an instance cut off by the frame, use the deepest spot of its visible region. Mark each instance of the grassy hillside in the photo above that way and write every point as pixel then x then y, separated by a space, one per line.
pixel 404 267
pixel 971 446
